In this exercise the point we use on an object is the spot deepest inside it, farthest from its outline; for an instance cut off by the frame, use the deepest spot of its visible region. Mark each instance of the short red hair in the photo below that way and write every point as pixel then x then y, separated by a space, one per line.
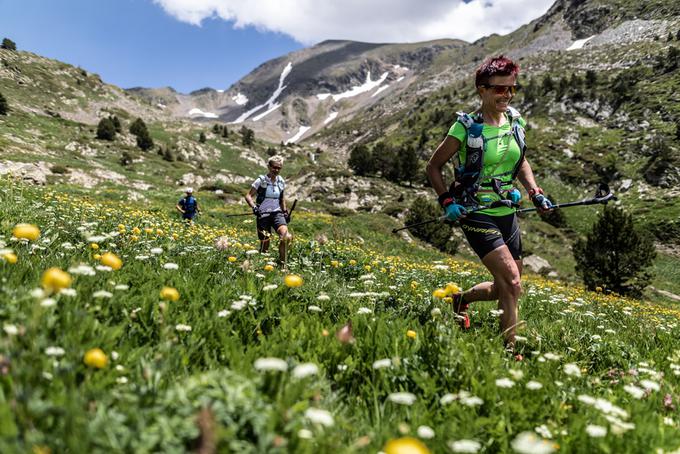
pixel 495 66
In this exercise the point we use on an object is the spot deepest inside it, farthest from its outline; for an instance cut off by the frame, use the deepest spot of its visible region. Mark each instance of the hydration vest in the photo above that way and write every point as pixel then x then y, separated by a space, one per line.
pixel 190 204
pixel 468 175
pixel 262 189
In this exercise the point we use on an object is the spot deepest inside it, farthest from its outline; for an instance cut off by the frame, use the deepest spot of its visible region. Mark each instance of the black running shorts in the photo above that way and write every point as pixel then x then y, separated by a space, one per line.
pixel 267 222
pixel 486 233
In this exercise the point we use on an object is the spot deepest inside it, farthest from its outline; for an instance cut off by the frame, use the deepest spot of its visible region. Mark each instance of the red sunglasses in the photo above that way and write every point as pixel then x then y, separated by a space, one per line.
pixel 502 89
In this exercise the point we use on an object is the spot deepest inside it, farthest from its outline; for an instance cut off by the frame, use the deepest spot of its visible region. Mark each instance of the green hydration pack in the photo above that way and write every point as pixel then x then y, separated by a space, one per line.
pixel 468 176
pixel 262 189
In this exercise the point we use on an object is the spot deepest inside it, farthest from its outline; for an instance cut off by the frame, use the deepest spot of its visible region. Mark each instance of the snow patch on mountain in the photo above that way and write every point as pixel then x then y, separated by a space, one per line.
pixel 270 103
pixel 365 87
pixel 195 112
pixel 578 44
pixel 240 99
pixel 299 134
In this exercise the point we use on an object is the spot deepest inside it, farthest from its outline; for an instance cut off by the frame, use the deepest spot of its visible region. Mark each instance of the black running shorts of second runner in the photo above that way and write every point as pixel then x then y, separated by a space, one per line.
pixel 486 233
pixel 267 222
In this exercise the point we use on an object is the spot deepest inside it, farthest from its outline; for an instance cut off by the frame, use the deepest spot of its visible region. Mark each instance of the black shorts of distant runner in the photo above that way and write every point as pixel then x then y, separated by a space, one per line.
pixel 486 233
pixel 267 221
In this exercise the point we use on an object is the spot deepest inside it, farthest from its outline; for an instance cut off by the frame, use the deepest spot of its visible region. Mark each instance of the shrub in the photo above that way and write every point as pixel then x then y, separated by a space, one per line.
pixel 106 129
pixel 201 137
pixel 247 136
pixel 59 169
pixel 361 160
pixel 615 255
pixel 4 107
pixel 8 44
pixel 438 234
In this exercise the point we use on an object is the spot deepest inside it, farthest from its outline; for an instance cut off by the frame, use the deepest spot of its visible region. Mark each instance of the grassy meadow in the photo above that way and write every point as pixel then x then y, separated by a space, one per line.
pixel 162 337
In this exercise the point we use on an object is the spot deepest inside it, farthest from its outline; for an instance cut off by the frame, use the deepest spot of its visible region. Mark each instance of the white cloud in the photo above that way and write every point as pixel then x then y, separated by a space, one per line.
pixel 310 21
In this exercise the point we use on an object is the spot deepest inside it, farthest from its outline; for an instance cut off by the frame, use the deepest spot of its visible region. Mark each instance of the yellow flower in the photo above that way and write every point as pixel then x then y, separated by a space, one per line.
pixel 448 300
pixel 136 231
pixel 94 246
pixel 405 445
pixel 367 267
pixel 335 263
pixel 112 260
pixel 439 293
pixel 175 236
pixel 292 280
pixel 452 289
pixel 10 257
pixel 121 227
pixel 598 289
pixel 268 268
pixel 134 238
pixel 26 231
pixel 352 262
pixel 97 256
pixel 148 230
pixel 410 333
pixel 169 294
pixel 54 279
pixel 232 259
pixel 159 232
pixel 414 285
pixel 96 358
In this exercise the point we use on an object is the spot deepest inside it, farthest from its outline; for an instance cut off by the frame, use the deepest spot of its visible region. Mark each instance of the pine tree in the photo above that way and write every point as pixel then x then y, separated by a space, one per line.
pixel 137 127
pixel 360 160
pixel 591 78
pixel 4 107
pixel 144 140
pixel 106 130
pixel 409 165
pixel 8 44
pixel 201 137
pixel 615 255
pixel 116 124
pixel 216 128
pixel 247 136
pixel 225 132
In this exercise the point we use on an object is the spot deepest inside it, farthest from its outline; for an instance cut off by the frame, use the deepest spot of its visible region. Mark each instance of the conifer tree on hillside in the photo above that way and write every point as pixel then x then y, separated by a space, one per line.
pixel 106 129
pixel 137 127
pixel 116 124
pixel 4 107
pixel 216 128
pixel 144 140
pixel 8 44
pixel 247 136
pixel 615 255
pixel 201 137
pixel 360 160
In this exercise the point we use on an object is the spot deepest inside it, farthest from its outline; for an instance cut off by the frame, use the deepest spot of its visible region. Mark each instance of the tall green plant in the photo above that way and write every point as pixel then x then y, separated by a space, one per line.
pixel 615 255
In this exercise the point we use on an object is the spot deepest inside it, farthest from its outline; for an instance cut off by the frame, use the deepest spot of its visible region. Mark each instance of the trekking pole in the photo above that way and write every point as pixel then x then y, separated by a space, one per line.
pixel 602 195
pixel 444 218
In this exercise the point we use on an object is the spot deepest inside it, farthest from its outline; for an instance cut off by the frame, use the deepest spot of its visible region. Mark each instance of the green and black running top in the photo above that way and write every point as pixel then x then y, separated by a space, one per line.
pixel 501 157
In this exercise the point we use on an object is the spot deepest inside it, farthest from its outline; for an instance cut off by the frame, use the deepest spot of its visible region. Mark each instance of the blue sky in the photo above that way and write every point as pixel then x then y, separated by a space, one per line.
pixel 191 44
pixel 135 43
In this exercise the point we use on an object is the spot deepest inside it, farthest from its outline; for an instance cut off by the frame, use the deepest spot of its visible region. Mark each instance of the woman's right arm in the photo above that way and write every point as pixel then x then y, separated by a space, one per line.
pixel 444 152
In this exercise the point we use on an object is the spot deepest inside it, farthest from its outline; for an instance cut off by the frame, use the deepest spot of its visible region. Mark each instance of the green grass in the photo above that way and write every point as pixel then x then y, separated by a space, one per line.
pixel 175 360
